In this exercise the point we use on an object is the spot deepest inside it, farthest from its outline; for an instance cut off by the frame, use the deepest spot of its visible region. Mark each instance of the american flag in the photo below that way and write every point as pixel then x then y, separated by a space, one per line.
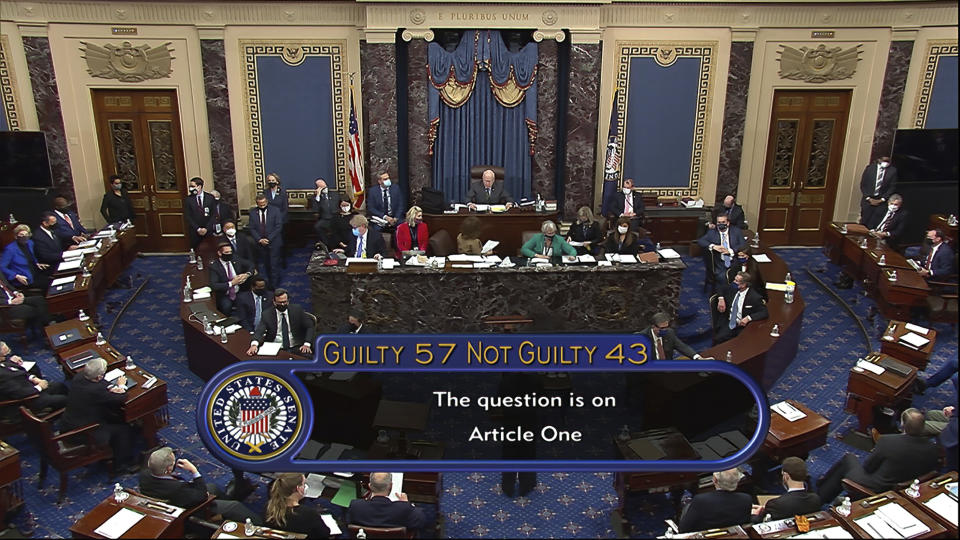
pixel 356 156
pixel 611 168
pixel 250 408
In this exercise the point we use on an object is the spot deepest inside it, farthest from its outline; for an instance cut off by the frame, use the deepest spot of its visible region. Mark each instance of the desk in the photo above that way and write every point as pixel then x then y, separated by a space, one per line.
pixel 87 333
pixel 11 490
pixel 675 446
pixel 917 358
pixel 88 350
pixel 262 532
pixel 866 390
pixel 939 221
pixel 155 524
pixel 716 534
pixel 507 228
pixel 858 511
pixel 149 405
pixel 796 438
pixel 785 528
pixel 674 225
pixel 931 489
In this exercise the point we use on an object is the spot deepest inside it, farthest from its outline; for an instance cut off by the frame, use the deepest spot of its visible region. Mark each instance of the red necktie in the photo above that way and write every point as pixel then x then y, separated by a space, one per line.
pixel 231 290
pixel 930 258
pixel 68 220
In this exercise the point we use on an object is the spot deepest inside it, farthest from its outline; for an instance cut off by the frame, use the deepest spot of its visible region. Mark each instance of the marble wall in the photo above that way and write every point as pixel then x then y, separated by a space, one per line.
pixel 47 100
pixel 543 163
pixel 734 119
pixel 218 118
pixel 582 115
pixel 891 97
pixel 417 119
pixel 379 85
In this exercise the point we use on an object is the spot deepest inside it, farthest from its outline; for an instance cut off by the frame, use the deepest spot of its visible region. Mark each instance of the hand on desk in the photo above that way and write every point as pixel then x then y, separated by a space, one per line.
pixel 306 348
pixel 390 219
pixel 79 238
pixel 509 205
pixel 743 321
pixel 252 350
pixel 121 385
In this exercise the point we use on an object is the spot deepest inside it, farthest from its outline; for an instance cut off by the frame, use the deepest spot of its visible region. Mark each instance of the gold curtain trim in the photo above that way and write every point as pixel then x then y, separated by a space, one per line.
pixel 432 135
pixel 532 133
pixel 510 93
pixel 453 92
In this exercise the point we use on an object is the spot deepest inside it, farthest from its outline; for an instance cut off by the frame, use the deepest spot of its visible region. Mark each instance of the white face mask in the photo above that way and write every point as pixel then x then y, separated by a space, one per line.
pixel 230 232
pixel 892 207
pixel 884 164
pixel 627 191
pixel 622 229
pixel 345 209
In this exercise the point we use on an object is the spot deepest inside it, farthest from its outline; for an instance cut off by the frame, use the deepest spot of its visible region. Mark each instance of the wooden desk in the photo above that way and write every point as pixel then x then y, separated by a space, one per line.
pixel 262 532
pixel 736 531
pixel 155 524
pixel 674 225
pixel 785 528
pixel 931 489
pixel 507 228
pixel 939 221
pixel 897 296
pixel 675 446
pixel 89 350
pixel 796 438
pixel 149 405
pixel 917 358
pixel 865 390
pixel 11 490
pixel 88 333
pixel 858 511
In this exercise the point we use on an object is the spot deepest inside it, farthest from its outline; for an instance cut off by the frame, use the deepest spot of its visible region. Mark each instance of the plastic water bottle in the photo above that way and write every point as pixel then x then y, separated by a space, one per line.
pixel 788 278
pixel 914 489
pixel 193 257
pixel 624 433
pixel 129 365
pixel 223 334
pixel 199 263
pixel 207 327
pixel 788 293
pixel 658 246
pixel 187 291
pixel 100 339
pixel 361 534
pixel 845 507
pixel 248 528
pixel 119 495
pixel 775 332
pixel 729 357
pixel 12 219
pixel 539 203
pixel 83 316
pixel 883 259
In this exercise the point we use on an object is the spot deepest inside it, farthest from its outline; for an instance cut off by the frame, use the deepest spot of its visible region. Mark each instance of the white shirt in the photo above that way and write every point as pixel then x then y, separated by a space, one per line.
pixel 928 264
pixel 279 336
pixel 362 244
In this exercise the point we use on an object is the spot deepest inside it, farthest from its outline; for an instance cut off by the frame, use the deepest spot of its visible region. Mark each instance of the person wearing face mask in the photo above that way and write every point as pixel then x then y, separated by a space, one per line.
pixel 936 257
pixel 266 228
pixel 547 243
pixel 277 196
pixel 665 339
pixel 240 241
pixel 20 265
pixel 326 204
pixel 889 226
pixel 221 212
pixel 621 240
pixel 629 203
pixel 116 205
pixel 228 275
pixel 285 323
pixel 285 511
pixel 69 228
pixel 586 231
pixel 720 246
pixel 412 233
pixel 340 230
pixel 797 501
pixel 198 212
pixel 734 212
pixel 366 243
pixel 252 303
pixel 356 323
pixel 46 244
pixel 738 306
pixel 877 184
pixel 385 202
pixel 488 191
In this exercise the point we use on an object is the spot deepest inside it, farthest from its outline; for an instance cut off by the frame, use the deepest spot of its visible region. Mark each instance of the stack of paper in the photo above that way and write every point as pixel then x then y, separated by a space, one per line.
pixel 788 411
pixel 620 258
pixel 870 366
pixel 269 348
pixel 72 264
pixel 119 523
pixel 87 244
pixel 942 504
pixel 917 329
pixel 314 486
pixel 459 258
pixel 331 524
pixel 388 263
pixel 397 480
pixel 492 259
pixel 414 261
pixel 914 340
pixel 489 245
pixel 72 254
pixel 761 257
pixel 586 258
pixel 903 522
pixel 62 280
pixel 836 531
pixel 668 253
pixel 481 207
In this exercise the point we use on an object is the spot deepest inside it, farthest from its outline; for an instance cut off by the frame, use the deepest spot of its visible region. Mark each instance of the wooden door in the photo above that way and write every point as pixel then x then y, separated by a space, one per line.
pixel 139 137
pixel 804 150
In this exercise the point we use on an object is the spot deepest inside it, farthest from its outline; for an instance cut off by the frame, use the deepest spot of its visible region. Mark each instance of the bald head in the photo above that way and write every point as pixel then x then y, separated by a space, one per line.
pixel 321 183
pixel 488 177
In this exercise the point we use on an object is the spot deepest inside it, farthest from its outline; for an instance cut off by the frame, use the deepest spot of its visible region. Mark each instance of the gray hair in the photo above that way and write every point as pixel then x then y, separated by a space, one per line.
pixel 94 369
pixel 161 460
pixel 727 480
pixel 548 226
pixel 896 197
pixel 380 482
pixel 358 221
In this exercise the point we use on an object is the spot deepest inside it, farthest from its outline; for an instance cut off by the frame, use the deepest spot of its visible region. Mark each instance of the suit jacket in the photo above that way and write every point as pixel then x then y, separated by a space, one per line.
pixel 380 511
pixel 405 240
pixel 64 230
pixel 176 492
pixel 735 216
pixel 943 259
pixel 898 458
pixel 91 403
pixel 375 206
pixel 792 503
pixel 735 236
pixel 752 305
pixel 274 226
pixel 670 342
pixel 374 245
pixel 620 200
pixel 498 194
pixel 589 232
pixel 630 245
pixel 46 248
pixel 868 182
pixel 14 262
pixel 243 246
pixel 245 308
pixel 302 328
pixel 218 275
pixel 896 225
pixel 715 509
pixel 198 216
pixel 328 208
pixel 280 201
pixel 222 212
pixel 14 383
pixel 534 246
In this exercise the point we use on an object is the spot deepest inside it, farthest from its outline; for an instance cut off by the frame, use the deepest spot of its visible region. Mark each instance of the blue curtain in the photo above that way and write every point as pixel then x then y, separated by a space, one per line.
pixel 480 130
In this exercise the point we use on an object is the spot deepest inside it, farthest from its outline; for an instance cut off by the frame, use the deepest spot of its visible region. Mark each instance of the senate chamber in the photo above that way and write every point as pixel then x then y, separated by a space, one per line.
pixel 489 269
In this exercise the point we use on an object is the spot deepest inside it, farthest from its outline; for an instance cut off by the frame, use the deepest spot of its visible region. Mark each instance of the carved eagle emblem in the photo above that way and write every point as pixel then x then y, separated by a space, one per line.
pixel 126 62
pixel 818 65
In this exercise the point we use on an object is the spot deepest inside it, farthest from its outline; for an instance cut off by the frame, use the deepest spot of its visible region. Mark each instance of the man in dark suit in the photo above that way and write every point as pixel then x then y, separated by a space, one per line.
pixel 629 203
pixel 326 204
pixel 796 501
pixel 889 225
pixel 241 242
pixel 738 307
pixel 356 323
pixel 69 228
pixel 116 205
pixel 266 227
pixel 32 310
pixel 340 230
pixel 722 507
pixel 720 246
pixel 92 401
pixel 733 211
pixel 285 323
pixel 366 243
pixel 197 211
pixel 664 339
pixel 227 276
pixel 16 383
pixel 936 259
pixel 380 511
pixel 221 212
pixel 252 304
pixel 895 458
pixel 47 246
pixel 386 202
pixel 187 489
pixel 488 191
pixel 877 183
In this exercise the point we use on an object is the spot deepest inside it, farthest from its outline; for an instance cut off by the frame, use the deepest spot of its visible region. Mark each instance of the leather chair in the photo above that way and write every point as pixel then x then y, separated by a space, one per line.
pixel 63 450
pixel 476 172
pixel 441 244
pixel 380 532
pixel 942 302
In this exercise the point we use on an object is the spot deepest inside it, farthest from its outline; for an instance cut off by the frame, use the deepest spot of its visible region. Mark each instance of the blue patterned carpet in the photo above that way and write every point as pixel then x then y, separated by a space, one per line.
pixel 563 505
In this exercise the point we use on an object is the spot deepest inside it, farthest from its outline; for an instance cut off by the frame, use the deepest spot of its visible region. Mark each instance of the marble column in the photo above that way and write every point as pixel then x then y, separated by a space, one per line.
pixel 734 119
pixel 582 114
pixel 891 97
pixel 218 118
pixel 47 100
pixel 379 85
pixel 544 160
pixel 417 119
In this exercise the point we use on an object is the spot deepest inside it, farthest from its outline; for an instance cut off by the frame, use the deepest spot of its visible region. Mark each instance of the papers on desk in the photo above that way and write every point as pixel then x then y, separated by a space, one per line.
pixel 226 535
pixel 87 244
pixel 586 258
pixel 397 479
pixel 113 374
pixel 574 243
pixel 945 506
pixel 233 328
pixel 388 263
pixel 761 257
pixel 620 258
pixel 481 207
pixel 119 523
pixel 72 254
pixel 788 411
pixel 892 521
pixel 105 233
pixel 72 264
pixel 836 531
pixel 870 366
pixel 269 348
pixel 507 263
pixel 493 259
pixel 462 265
pixel 346 494
pixel 540 262
pixel 604 263
pixel 914 340
pixel 460 258
pixel 331 524
pixel 693 204
pixel 917 329
pixel 569 259
pixel 62 280
pixel 314 486
pixel 776 286
pixel 668 253
pixel 27 366
pixel 489 245
pixel 914 264
pixel 343 375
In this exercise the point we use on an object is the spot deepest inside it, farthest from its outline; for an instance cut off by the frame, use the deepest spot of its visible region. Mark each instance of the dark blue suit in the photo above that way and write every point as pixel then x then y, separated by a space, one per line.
pixel 942 263
pixel 14 262
pixel 374 246
pixel 377 207
pixel 245 308
pixel 380 511
pixel 65 231
pixel 268 261
pixel 47 248
pixel 280 202
pixel 736 241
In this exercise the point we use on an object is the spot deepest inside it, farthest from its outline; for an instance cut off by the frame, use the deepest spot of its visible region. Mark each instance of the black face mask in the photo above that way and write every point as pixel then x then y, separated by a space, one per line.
pixel 227 257
pixel 23 240
pixel 928 242
pixel 272 184
pixel 260 292
pixel 721 226
pixel 353 326
pixel 280 307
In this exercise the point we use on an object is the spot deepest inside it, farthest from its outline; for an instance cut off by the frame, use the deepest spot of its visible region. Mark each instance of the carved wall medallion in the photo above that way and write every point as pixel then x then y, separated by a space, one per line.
pixel 666 56
pixel 128 63
pixel 818 65
pixel 418 16
pixel 549 17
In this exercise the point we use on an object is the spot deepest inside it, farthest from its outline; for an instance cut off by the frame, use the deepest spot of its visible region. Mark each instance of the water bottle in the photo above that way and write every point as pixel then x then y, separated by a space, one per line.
pixel 624 433
pixel 83 316
pixel 119 495
pixel 187 291
pixel 914 489
pixel 85 272
pixel 207 327
pixel 788 278
pixel 12 219
pixel 951 221
pixel 361 534
pixel 193 256
pixel 248 528
pixel 844 229
pixel 199 263
pixel 129 365
pixel 539 203
pixel 658 246
pixel 775 332
pixel 729 357
pixel 883 259
pixel 100 339
pixel 788 294
pixel 889 333
pixel 845 507
pixel 223 334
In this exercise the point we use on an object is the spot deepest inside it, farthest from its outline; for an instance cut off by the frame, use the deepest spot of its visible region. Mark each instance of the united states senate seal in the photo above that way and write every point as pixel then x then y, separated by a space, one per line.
pixel 254 415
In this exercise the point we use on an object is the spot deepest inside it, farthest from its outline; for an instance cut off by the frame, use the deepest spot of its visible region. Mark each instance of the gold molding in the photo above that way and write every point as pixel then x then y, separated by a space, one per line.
pixel 9 96
pixel 424 34
pixel 936 48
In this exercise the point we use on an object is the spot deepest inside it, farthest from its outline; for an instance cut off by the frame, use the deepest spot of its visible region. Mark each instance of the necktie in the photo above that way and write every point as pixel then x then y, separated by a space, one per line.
pixel 200 201
pixel 876 189
pixel 285 330
pixel 489 195
pixel 69 221
pixel 263 223
pixel 725 242
pixel 733 310
pixel 231 290
pixel 258 309
pixel 660 354
pixel 386 200
pixel 360 252
pixel 628 203
pixel 234 244
pixel 929 258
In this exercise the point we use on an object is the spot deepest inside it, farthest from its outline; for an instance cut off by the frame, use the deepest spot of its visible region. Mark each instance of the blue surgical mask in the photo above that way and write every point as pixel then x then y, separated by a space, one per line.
pixel 356 232
pixel 387 183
